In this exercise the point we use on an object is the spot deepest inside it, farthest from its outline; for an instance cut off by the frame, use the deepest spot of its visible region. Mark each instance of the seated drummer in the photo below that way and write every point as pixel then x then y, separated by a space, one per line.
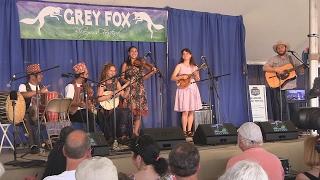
pixel 29 90
pixel 75 90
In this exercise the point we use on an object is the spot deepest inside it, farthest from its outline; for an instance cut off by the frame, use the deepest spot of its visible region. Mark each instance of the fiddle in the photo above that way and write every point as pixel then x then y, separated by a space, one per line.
pixel 142 63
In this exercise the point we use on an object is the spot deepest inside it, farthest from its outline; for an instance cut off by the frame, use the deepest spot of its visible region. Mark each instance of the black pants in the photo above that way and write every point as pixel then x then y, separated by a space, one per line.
pixel 81 117
pixel 123 122
pixel 277 98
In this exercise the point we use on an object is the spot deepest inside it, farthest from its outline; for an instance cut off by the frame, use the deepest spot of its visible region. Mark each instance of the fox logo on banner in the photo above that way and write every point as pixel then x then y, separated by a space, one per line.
pixel 46 20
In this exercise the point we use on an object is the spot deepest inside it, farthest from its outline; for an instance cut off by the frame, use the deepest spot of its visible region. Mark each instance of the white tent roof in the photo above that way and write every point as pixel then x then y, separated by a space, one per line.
pixel 265 21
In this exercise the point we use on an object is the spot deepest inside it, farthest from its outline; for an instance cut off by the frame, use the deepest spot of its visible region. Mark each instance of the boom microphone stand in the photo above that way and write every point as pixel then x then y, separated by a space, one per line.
pixel 161 77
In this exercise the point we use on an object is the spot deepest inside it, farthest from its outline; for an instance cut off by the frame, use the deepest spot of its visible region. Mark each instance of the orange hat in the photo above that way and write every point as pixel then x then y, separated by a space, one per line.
pixel 79 68
pixel 33 68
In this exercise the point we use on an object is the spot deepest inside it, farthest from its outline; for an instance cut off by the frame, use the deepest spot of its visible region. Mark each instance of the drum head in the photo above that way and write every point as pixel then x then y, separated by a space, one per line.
pixel 20 109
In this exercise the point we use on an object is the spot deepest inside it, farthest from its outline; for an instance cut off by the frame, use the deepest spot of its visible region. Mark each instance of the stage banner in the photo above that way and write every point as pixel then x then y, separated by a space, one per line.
pixel 258 101
pixel 47 20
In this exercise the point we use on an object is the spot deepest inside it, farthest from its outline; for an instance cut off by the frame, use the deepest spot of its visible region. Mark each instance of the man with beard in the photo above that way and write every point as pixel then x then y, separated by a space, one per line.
pixel 276 64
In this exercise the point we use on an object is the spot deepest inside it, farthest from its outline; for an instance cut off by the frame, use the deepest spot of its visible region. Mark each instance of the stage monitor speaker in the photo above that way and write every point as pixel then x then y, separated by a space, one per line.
pixel 278 130
pixel 215 134
pixel 166 138
pixel 99 144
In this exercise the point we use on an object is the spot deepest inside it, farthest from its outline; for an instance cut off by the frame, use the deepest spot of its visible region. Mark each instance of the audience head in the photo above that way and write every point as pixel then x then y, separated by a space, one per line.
pixel 245 170
pixel 77 145
pixel 311 155
pixel 184 160
pixel 96 168
pixel 147 152
pixel 249 136
pixel 64 133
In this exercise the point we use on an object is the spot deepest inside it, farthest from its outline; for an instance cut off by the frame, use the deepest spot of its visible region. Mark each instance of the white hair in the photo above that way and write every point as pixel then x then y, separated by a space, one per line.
pixel 96 168
pixel 245 170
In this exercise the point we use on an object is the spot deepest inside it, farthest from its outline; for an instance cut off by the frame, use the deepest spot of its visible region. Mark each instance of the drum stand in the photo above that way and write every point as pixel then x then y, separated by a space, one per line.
pixel 15 162
pixel 13 99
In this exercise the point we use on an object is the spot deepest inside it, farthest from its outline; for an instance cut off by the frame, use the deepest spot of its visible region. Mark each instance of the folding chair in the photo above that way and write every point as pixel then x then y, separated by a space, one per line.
pixel 60 106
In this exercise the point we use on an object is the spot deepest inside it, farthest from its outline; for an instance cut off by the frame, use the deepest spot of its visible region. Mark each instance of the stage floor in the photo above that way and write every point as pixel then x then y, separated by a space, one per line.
pixel 213 159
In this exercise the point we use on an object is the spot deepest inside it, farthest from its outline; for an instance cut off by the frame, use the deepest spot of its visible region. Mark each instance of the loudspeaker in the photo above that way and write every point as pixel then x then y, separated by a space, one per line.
pixel 99 144
pixel 215 134
pixel 278 130
pixel 166 138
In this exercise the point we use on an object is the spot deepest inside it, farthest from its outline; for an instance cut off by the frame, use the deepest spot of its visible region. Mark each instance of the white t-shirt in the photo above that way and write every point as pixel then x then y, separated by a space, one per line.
pixel 66 175
pixel 69 91
pixel 23 88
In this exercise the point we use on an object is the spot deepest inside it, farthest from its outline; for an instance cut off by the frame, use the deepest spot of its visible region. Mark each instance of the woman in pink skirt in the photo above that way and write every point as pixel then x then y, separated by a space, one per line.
pixel 187 96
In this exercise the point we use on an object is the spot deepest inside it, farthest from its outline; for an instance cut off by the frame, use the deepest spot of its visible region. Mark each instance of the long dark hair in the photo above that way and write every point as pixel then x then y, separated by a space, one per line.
pixel 128 60
pixel 149 151
pixel 192 61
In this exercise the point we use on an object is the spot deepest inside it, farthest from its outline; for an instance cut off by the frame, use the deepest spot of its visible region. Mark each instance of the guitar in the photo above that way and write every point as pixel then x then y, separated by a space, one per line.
pixel 275 80
pixel 184 83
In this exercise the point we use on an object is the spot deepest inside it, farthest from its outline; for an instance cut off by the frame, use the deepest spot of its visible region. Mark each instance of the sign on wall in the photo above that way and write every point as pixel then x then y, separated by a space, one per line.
pixel 47 20
pixel 258 100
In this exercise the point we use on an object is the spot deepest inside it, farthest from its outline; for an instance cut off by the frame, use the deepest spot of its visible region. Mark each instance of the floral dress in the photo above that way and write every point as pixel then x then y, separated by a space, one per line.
pixel 137 100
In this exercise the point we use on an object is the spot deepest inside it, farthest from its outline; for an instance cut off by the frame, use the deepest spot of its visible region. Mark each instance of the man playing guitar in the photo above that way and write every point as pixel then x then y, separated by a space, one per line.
pixel 281 76
pixel 29 90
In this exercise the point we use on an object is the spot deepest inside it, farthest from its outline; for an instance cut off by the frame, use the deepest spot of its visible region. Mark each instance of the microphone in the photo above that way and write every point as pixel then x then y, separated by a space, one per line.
pixel 203 57
pixel 68 75
pixel 290 51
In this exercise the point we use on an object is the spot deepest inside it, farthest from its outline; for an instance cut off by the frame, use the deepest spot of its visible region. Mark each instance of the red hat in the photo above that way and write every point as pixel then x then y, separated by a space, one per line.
pixel 33 68
pixel 79 68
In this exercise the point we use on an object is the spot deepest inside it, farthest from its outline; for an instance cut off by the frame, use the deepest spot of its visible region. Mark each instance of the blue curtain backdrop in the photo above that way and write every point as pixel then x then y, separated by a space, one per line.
pixel 220 38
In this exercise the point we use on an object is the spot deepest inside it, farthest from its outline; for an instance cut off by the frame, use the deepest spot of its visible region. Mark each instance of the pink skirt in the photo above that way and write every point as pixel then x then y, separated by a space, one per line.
pixel 188 99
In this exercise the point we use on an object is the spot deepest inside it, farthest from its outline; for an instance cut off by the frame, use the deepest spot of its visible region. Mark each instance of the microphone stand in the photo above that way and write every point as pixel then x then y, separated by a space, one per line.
pixel 17 78
pixel 160 89
pixel 213 90
pixel 293 53
pixel 115 145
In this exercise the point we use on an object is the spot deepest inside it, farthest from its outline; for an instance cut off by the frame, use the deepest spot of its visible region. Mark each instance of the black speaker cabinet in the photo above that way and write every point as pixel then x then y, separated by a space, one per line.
pixel 166 138
pixel 278 130
pixel 215 134
pixel 99 144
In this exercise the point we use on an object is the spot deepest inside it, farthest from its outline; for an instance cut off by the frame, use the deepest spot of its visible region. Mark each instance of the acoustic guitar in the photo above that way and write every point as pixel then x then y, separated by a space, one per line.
pixel 184 83
pixel 275 80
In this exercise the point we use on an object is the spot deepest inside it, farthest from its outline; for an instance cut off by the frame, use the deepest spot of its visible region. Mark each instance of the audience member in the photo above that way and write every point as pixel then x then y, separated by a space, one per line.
pixel 95 168
pixel 147 160
pixel 76 149
pixel 250 142
pixel 56 163
pixel 184 162
pixel 245 170
pixel 311 159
